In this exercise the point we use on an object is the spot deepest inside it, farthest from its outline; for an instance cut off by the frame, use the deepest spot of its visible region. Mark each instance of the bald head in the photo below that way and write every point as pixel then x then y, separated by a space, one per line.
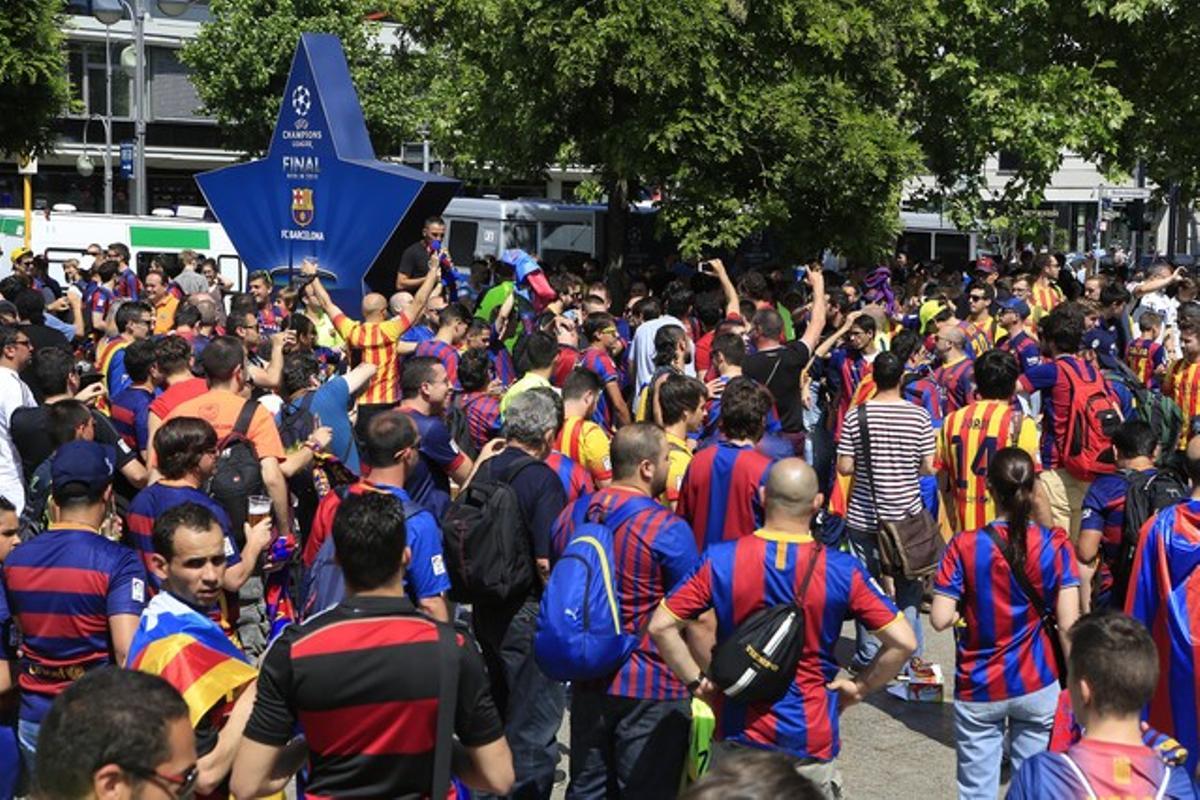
pixel 791 490
pixel 954 335
pixel 399 302
pixel 373 305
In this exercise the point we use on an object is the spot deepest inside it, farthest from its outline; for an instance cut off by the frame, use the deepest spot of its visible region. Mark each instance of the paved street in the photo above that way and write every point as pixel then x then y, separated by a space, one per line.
pixel 890 748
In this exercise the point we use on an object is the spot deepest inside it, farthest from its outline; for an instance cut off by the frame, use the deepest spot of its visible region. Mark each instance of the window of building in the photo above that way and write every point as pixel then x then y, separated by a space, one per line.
pixel 85 66
pixel 1009 161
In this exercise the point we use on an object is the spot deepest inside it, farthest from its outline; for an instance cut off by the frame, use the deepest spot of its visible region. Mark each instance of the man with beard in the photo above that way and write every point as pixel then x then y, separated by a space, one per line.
pixel 632 725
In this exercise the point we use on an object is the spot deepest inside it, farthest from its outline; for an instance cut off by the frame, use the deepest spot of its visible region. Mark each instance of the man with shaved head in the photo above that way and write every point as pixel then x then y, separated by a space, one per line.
pixel 782 564
pixel 632 726
pixel 375 338
pixel 956 376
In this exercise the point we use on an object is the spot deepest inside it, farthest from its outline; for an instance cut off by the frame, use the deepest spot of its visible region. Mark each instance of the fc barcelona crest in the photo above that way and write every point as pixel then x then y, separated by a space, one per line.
pixel 302 206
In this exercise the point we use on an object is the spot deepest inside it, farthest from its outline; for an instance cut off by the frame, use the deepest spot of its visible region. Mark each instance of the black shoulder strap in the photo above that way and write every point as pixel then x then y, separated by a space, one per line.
pixel 865 436
pixel 443 746
pixel 517 467
pixel 242 426
pixel 812 566
pixel 1045 613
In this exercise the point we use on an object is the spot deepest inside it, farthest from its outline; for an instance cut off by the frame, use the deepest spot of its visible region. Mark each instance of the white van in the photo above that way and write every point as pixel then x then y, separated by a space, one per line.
pixel 67 234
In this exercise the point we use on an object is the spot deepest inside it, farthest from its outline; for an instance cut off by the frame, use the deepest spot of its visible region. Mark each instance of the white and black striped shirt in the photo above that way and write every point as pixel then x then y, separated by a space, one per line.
pixel 901 436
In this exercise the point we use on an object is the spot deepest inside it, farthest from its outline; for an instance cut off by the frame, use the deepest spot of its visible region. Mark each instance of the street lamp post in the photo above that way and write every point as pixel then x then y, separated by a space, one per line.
pixel 108 13
pixel 108 176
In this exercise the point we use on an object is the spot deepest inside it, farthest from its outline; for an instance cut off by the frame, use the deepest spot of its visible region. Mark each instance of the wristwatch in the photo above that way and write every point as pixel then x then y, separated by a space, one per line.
pixel 692 686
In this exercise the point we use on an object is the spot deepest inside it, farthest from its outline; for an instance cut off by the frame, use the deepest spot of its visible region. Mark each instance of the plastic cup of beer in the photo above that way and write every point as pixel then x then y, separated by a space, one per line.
pixel 259 508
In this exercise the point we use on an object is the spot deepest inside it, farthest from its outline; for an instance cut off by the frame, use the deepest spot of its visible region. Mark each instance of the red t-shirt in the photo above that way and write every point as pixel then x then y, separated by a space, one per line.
pixel 181 392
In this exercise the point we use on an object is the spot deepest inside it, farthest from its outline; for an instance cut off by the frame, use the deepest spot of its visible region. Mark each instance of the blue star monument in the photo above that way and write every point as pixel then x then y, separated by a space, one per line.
pixel 320 193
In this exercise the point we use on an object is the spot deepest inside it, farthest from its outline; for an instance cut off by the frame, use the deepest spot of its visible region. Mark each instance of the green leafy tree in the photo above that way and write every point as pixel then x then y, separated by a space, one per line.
pixel 789 117
pixel 33 75
pixel 240 60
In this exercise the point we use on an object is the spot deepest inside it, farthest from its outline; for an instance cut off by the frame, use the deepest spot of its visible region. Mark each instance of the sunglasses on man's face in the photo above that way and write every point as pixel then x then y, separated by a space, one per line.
pixel 180 786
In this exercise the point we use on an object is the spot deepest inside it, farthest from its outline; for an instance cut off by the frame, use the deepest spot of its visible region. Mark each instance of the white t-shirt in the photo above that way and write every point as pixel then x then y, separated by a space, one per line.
pixel 14 394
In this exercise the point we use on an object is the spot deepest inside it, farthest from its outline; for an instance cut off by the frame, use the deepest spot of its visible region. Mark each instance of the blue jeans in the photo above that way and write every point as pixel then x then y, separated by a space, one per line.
pixel 531 704
pixel 27 736
pixel 979 737
pixel 908 598
pixel 626 747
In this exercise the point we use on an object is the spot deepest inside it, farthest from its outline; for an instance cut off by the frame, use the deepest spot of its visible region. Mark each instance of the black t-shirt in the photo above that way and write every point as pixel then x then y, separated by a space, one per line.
pixel 779 370
pixel 362 679
pixel 414 262
pixel 30 430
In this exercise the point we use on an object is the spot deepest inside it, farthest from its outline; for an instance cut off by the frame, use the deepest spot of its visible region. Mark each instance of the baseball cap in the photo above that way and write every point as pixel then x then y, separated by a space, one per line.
pixel 986 265
pixel 1018 305
pixel 82 462
pixel 19 253
pixel 1105 344
pixel 930 309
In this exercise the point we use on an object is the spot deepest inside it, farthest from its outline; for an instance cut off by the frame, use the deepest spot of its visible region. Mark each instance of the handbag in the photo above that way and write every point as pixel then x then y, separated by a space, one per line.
pixel 910 547
pixel 1046 614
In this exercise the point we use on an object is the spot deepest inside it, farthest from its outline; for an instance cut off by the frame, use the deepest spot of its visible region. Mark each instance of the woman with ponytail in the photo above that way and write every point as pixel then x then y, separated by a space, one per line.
pixel 1005 674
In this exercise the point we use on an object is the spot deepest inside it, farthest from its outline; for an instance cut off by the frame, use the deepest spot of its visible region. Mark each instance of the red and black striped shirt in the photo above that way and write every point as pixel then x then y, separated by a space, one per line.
pixel 361 680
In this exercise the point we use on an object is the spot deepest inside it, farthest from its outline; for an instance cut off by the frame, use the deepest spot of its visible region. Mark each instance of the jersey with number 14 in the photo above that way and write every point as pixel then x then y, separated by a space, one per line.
pixel 968 440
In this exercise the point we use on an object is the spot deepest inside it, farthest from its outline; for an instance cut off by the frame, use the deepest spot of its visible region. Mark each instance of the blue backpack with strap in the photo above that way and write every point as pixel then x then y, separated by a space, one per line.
pixel 579 634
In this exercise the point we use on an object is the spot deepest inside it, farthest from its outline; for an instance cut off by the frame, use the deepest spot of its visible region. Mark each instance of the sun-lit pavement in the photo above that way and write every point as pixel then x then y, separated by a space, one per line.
pixel 891 750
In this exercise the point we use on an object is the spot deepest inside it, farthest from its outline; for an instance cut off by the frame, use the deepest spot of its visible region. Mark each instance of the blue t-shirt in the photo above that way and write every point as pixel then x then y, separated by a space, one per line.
pixel 1109 770
pixel 429 483
pixel 331 404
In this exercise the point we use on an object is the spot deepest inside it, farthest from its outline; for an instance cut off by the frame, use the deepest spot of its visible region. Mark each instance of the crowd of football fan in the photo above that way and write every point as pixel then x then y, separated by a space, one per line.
pixel 252 541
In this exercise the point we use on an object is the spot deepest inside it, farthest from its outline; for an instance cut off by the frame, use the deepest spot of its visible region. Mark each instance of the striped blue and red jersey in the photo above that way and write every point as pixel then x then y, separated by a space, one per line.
pixel 978 338
pixel 600 362
pixel 1144 356
pixel 568 359
pixel 1004 651
pixel 737 579
pixel 158 498
pixel 653 551
pixel 849 368
pixel 958 383
pixel 719 495
pixel 1108 770
pixel 130 414
pixel 923 391
pixel 127 284
pixel 62 587
pixel 503 368
pixel 1104 512
pixel 712 416
pixel 576 481
pixel 1165 595
pixel 271 319
pixel 443 352
pixel 100 301
pixel 1024 347
pixel 483 416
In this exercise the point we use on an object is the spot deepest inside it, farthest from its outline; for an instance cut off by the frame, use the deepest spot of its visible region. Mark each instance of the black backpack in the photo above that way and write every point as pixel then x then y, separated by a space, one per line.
pixel 1147 495
pixel 238 475
pixel 297 422
pixel 486 541
pixel 460 430
pixel 757 663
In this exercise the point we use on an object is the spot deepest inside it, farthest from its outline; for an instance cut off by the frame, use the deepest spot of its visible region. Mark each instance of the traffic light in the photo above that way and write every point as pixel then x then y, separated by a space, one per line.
pixel 1135 215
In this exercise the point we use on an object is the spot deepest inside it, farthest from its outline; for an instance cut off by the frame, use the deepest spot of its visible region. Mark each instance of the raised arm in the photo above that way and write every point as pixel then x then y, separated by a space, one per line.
pixel 733 305
pixel 432 281
pixel 816 322
pixel 824 347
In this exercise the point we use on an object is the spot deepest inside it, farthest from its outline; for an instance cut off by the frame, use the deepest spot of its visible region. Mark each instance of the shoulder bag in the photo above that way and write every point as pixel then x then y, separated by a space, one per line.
pixel 909 547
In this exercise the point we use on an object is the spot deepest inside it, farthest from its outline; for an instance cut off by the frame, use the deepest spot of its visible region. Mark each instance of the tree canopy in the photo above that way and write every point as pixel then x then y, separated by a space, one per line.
pixel 33 75
pixel 805 116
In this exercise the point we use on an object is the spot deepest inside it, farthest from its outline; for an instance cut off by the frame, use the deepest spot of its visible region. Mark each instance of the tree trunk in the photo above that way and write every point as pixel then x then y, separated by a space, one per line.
pixel 615 223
